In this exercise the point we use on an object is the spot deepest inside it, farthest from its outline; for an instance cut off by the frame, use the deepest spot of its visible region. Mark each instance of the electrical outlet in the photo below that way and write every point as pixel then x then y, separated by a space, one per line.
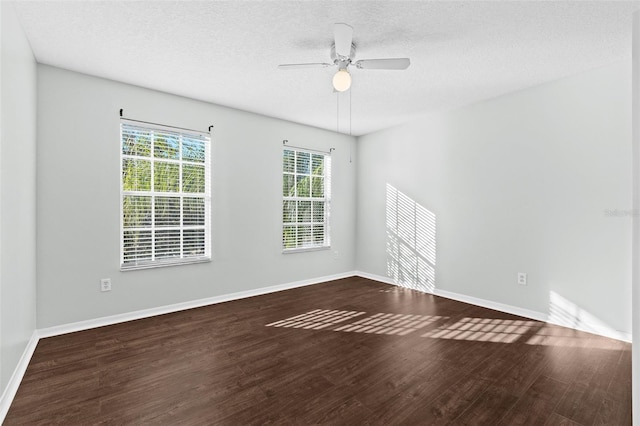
pixel 522 278
pixel 336 254
pixel 105 284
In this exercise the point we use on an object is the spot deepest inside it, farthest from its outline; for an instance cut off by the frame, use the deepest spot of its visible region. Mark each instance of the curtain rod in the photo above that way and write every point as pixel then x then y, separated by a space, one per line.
pixel 165 125
pixel 285 142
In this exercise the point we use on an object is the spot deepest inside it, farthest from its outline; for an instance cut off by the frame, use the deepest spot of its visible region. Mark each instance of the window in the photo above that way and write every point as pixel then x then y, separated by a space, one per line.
pixel 165 196
pixel 306 186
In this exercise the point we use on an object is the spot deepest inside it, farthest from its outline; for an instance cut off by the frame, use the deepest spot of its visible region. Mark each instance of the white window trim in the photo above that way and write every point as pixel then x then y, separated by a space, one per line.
pixel 155 263
pixel 326 198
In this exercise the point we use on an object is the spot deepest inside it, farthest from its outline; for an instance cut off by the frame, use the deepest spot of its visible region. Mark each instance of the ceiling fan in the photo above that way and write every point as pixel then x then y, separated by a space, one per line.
pixel 343 53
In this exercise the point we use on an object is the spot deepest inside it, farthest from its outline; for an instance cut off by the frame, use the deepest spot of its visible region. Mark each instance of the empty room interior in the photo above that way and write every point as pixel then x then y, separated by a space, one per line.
pixel 325 212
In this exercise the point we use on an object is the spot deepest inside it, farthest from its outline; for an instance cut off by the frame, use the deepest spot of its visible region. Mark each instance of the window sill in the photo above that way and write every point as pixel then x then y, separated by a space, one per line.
pixel 305 249
pixel 150 265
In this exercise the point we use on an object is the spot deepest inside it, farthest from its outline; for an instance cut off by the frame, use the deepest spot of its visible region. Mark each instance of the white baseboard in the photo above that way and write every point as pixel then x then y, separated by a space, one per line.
pixel 161 310
pixel 514 310
pixel 496 306
pixel 18 373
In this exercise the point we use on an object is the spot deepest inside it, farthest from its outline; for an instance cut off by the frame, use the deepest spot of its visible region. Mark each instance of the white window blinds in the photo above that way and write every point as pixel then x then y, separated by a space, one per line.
pixel 165 196
pixel 306 186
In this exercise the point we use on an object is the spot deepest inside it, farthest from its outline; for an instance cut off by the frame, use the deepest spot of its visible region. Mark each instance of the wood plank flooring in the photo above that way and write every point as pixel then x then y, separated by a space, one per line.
pixel 351 351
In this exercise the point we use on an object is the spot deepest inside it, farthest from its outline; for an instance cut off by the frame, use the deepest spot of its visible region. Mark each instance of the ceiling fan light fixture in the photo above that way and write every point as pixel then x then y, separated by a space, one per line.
pixel 342 80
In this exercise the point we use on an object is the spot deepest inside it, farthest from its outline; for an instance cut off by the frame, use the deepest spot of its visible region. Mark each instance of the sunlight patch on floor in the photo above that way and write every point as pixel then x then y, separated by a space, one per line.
pixel 399 324
pixel 317 319
pixel 379 323
pixel 470 329
pixel 484 330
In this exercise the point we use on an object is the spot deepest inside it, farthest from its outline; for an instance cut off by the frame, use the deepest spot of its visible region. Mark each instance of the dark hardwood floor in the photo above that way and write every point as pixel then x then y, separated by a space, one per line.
pixel 350 352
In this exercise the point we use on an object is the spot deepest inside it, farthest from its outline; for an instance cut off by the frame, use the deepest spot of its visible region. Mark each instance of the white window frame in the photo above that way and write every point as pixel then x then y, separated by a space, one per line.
pixel 182 259
pixel 326 223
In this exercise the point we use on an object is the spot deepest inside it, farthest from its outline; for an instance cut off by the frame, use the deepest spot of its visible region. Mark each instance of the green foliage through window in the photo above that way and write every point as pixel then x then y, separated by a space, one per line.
pixel 306 195
pixel 165 196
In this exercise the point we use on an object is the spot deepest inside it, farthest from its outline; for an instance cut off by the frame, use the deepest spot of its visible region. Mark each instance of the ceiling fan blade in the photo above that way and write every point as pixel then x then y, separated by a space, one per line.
pixel 384 64
pixel 343 34
pixel 303 66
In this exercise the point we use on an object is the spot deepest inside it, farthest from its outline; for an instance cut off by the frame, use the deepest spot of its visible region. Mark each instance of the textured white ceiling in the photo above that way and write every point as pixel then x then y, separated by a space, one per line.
pixel 227 52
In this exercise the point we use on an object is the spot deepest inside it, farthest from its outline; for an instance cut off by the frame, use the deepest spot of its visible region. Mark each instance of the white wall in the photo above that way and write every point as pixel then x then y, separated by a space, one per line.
pixel 78 200
pixel 636 221
pixel 519 183
pixel 17 193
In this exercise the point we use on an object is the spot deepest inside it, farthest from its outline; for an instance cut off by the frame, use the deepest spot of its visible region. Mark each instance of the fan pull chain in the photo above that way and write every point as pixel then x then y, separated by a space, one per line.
pixel 337 112
pixel 350 143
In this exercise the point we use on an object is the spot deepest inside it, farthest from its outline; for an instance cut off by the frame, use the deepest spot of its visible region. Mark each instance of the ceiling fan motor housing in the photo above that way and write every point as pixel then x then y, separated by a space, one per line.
pixel 342 61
